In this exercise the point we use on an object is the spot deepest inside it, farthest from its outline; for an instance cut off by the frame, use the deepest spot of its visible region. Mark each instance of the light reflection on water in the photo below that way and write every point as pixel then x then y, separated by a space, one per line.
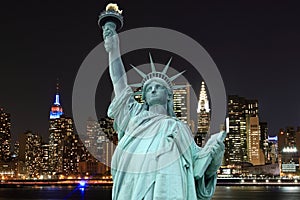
pixel 257 192
pixel 97 192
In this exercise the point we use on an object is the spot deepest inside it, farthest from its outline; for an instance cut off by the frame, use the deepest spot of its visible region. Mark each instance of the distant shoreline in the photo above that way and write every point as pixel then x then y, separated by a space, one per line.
pixel 108 182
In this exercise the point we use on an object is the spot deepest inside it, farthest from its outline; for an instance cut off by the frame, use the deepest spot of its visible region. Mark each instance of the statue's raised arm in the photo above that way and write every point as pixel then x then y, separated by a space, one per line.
pixel 110 21
pixel 116 67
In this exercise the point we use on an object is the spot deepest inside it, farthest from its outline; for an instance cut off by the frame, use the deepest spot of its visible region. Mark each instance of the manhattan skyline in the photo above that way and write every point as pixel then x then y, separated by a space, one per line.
pixel 255 46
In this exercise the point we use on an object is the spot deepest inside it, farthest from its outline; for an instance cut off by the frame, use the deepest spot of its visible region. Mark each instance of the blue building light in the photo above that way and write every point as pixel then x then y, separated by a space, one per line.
pixel 273 138
pixel 57 100
pixel 82 184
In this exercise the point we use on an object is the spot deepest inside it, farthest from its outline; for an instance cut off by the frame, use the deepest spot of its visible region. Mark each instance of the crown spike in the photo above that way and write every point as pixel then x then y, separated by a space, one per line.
pixel 176 76
pixel 167 66
pixel 152 64
pixel 142 74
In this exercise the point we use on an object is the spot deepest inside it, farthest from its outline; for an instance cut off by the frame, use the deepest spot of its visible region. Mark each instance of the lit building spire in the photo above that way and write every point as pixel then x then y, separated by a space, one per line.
pixel 203 103
pixel 56 101
pixel 56 109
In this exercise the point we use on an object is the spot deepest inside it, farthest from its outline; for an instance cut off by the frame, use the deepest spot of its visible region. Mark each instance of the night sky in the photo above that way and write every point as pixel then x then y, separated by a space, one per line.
pixel 255 45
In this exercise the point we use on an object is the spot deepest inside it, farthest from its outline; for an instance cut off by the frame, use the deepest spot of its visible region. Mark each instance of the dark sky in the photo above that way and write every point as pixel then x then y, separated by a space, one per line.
pixel 255 44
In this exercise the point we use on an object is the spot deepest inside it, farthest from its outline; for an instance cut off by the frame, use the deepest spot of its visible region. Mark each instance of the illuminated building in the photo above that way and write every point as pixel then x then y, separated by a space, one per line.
pixel 107 141
pixel 63 146
pixel 181 100
pixel 56 109
pixel 289 150
pixel 203 112
pixel 273 144
pixel 45 168
pixel 265 144
pixel 5 136
pixel 92 167
pixel 63 142
pixel 243 142
pixel 30 155
pixel 235 142
pixel 255 153
pixel 33 154
pixel 70 142
pixel 91 141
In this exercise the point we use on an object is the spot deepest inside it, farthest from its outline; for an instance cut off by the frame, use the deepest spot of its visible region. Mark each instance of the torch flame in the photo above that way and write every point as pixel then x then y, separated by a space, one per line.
pixel 113 7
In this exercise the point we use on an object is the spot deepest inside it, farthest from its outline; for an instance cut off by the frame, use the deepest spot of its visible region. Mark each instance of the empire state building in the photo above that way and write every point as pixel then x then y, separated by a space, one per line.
pixel 63 142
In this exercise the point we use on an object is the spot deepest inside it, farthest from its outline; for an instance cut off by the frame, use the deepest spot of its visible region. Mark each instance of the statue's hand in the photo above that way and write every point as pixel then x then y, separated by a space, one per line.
pixel 110 36
pixel 217 152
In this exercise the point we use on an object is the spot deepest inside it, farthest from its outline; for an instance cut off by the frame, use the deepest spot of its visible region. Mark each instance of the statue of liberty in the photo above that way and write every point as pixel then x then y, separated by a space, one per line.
pixel 156 156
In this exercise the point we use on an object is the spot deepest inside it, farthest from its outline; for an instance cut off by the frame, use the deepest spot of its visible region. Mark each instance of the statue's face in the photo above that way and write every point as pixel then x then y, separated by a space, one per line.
pixel 156 93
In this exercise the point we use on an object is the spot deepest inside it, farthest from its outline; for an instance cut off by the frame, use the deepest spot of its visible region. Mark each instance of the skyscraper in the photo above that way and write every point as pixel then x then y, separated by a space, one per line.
pixel 33 154
pixel 288 149
pixel 203 112
pixel 63 142
pixel 5 135
pixel 181 99
pixel 56 109
pixel 243 140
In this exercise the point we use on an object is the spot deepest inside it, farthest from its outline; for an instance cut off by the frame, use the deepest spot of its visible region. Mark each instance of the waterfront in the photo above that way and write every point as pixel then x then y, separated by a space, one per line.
pixel 104 193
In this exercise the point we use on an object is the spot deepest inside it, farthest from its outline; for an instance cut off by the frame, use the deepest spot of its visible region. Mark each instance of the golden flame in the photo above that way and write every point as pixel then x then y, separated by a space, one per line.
pixel 113 7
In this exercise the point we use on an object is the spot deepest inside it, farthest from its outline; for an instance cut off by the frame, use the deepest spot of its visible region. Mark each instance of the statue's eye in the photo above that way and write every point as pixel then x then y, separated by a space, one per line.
pixel 148 89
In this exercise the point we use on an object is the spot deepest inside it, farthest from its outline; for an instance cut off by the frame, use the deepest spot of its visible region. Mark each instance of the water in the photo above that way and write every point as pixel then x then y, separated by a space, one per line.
pixel 104 193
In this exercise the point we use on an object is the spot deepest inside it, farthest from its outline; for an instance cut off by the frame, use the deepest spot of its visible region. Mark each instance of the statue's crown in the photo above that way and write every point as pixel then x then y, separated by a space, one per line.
pixel 158 75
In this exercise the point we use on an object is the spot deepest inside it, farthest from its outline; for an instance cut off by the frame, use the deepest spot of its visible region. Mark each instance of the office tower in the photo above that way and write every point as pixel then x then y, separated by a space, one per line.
pixel 273 145
pixel 287 139
pixel 63 142
pixel 236 141
pixel 181 99
pixel 254 147
pixel 16 149
pixel 288 149
pixel 45 168
pixel 265 144
pixel 107 141
pixel 63 146
pixel 255 153
pixel 106 125
pixel 243 140
pixel 5 136
pixel 31 153
pixel 70 147
pixel 203 112
pixel 90 141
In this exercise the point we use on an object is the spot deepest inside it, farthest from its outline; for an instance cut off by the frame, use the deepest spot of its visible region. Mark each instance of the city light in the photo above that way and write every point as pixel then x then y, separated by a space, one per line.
pixel 82 184
pixel 289 150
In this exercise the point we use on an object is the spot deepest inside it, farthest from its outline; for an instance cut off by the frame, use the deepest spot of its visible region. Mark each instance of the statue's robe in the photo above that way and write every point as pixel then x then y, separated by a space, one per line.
pixel 156 157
